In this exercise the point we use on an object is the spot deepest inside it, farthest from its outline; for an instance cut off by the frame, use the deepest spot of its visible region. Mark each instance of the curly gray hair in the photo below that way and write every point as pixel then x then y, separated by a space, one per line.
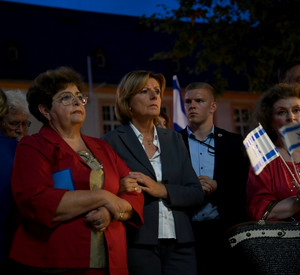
pixel 16 99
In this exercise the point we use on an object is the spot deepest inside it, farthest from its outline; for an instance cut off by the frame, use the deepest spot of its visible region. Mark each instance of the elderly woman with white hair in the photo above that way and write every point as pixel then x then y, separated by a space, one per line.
pixel 14 123
pixel 7 148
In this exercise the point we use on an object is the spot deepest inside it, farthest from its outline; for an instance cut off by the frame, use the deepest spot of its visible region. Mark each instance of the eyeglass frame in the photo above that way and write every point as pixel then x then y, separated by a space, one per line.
pixel 82 98
pixel 16 124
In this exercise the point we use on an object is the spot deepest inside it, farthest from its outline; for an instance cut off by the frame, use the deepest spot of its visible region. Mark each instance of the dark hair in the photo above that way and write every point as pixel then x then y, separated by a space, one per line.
pixel 202 85
pixel 164 115
pixel 263 112
pixel 46 85
pixel 132 83
pixel 283 76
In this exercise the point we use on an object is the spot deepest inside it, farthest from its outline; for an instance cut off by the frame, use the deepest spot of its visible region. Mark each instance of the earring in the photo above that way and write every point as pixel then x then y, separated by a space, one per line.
pixel 130 109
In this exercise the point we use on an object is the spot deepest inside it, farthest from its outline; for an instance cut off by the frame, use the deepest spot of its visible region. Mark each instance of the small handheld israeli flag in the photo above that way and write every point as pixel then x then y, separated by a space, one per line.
pixel 260 149
pixel 290 135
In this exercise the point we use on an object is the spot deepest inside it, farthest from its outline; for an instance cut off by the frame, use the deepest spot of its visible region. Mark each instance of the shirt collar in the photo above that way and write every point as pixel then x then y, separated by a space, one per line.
pixel 191 135
pixel 141 137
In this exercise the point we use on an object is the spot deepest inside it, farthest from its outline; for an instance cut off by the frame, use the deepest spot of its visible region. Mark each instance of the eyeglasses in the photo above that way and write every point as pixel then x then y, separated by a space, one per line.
pixel 67 98
pixel 16 124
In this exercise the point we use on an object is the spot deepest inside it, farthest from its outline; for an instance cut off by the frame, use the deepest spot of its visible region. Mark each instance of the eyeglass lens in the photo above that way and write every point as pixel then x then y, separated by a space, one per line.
pixel 67 98
pixel 17 124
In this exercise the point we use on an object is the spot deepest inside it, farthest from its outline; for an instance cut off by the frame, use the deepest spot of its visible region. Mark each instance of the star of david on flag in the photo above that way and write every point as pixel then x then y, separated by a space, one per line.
pixel 260 149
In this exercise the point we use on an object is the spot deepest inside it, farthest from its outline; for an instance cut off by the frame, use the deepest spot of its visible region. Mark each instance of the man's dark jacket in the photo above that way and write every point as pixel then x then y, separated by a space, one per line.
pixel 231 173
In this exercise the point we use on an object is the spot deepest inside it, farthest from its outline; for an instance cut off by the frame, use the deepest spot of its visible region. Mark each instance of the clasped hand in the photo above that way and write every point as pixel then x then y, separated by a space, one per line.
pixel 99 218
pixel 114 208
pixel 148 185
pixel 208 184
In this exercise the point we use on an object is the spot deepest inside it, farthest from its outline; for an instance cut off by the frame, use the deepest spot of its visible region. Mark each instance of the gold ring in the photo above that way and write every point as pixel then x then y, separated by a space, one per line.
pixel 135 188
pixel 121 214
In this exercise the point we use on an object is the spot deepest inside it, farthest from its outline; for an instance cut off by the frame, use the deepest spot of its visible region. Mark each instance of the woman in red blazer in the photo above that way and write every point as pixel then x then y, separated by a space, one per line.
pixel 66 186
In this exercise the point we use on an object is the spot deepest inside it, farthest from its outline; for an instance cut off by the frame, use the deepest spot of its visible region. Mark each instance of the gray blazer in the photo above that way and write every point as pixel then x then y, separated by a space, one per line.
pixel 184 190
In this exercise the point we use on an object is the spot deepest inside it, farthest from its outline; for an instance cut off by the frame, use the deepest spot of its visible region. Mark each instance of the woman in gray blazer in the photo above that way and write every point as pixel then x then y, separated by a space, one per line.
pixel 160 163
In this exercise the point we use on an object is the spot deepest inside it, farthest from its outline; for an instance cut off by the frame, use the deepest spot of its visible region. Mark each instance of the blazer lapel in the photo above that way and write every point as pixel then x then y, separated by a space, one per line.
pixel 164 156
pixel 220 146
pixel 131 142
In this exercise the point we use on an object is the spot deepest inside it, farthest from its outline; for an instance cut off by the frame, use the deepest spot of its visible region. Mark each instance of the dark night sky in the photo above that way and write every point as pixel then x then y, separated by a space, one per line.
pixel 121 7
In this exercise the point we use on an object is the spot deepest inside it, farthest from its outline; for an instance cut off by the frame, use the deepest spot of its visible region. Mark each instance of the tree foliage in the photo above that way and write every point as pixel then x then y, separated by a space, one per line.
pixel 252 38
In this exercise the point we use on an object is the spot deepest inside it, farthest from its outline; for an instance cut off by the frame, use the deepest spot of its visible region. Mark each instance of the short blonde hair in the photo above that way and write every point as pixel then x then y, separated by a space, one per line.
pixel 202 85
pixel 132 83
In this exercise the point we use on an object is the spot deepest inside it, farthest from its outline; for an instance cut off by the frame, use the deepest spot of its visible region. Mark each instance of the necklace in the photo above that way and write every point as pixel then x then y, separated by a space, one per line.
pixel 290 176
pixel 149 141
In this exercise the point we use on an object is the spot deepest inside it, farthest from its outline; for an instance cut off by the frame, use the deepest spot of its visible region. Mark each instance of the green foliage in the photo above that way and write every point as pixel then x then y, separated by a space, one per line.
pixel 250 37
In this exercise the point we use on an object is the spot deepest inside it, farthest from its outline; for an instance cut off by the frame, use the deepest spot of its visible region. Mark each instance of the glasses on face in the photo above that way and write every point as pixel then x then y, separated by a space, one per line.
pixel 17 124
pixel 67 98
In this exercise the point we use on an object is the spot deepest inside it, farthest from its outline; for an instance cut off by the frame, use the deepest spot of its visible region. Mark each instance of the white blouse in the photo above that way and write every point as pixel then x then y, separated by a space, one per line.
pixel 166 225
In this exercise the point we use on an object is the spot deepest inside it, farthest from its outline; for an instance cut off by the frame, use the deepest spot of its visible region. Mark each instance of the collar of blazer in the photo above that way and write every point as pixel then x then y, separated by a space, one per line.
pixel 131 142
pixel 135 148
pixel 61 146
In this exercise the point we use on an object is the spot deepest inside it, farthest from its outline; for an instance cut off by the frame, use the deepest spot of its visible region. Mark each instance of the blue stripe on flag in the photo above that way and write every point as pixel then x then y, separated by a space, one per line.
pixel 176 87
pixel 291 129
pixel 291 136
pixel 271 154
pixel 260 149
pixel 258 165
pixel 294 146
pixel 176 127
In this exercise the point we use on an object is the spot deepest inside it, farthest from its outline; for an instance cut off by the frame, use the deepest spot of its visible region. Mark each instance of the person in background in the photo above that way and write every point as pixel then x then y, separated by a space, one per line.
pixel 67 188
pixel 3 103
pixel 290 72
pixel 272 194
pixel 15 122
pixel 163 120
pixel 7 206
pixel 160 163
pixel 221 164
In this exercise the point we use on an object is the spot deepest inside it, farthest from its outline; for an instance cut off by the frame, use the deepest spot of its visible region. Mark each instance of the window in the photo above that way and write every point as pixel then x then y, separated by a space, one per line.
pixel 109 119
pixel 13 53
pixel 242 120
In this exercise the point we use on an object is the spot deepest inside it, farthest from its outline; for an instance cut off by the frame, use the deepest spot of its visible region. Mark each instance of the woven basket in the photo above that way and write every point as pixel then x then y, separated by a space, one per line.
pixel 267 247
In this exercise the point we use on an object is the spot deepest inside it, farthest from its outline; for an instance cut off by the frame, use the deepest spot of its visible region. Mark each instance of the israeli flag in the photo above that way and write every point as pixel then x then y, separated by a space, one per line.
pixel 290 134
pixel 260 149
pixel 179 117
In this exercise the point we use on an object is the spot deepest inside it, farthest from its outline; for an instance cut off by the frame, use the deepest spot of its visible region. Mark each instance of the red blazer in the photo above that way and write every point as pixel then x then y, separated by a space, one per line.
pixel 38 241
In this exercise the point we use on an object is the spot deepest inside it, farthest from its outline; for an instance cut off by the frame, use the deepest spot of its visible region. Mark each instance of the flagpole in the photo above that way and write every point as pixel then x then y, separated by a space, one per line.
pixel 91 94
pixel 290 136
pixel 296 182
pixel 298 185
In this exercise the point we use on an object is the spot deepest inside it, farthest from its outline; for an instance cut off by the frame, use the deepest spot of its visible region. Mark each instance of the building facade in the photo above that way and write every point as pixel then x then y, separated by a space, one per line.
pixel 103 48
